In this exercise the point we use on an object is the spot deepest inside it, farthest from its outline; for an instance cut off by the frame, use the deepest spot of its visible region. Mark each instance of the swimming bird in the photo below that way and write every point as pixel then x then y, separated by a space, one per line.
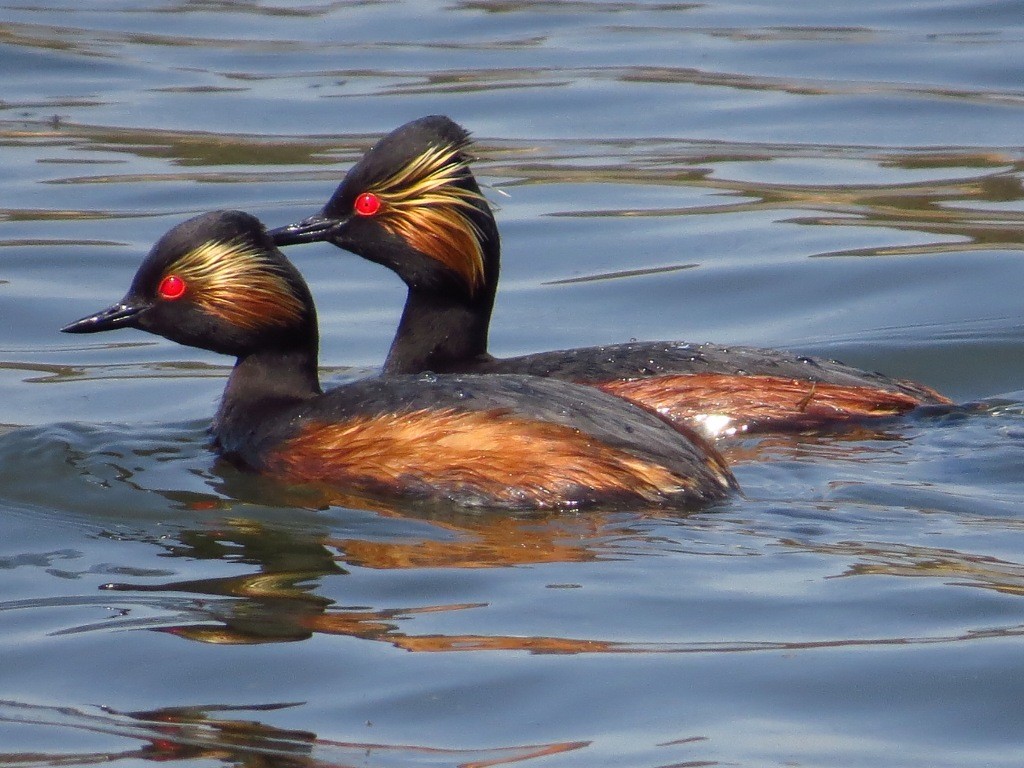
pixel 218 283
pixel 412 204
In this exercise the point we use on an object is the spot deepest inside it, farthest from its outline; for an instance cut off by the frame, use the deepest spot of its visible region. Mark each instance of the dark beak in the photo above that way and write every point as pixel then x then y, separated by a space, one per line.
pixel 315 229
pixel 120 315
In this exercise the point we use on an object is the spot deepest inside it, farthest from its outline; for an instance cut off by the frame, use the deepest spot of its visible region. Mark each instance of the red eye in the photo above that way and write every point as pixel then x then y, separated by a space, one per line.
pixel 171 287
pixel 367 204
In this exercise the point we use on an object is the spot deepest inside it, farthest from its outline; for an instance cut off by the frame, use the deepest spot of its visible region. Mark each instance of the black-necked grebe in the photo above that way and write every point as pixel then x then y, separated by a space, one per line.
pixel 217 282
pixel 412 204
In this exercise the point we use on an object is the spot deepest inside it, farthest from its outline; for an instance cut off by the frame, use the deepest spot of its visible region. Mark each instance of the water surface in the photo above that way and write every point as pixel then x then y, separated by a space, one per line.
pixel 838 179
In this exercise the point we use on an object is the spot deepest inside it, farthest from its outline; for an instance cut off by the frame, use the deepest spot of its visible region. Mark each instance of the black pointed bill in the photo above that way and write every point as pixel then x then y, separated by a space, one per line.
pixel 119 315
pixel 315 229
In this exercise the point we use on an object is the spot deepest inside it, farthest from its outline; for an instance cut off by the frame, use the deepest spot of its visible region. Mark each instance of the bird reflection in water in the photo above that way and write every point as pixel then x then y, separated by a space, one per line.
pixel 213 733
pixel 279 602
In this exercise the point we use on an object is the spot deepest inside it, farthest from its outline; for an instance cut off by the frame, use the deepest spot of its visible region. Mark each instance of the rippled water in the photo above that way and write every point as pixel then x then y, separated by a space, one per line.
pixel 839 179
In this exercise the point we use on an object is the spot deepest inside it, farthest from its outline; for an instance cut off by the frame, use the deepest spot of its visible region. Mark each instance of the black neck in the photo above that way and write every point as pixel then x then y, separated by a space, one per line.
pixel 440 332
pixel 443 327
pixel 261 384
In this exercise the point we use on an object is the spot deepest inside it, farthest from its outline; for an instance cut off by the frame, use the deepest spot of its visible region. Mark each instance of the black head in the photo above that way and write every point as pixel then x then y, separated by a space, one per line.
pixel 215 282
pixel 411 203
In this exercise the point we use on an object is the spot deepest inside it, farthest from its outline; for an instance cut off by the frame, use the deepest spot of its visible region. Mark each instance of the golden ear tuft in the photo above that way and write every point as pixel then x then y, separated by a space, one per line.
pixel 238 283
pixel 423 204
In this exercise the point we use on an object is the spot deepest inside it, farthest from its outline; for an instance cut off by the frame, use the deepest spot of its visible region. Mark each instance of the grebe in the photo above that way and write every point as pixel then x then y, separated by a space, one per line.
pixel 412 204
pixel 218 283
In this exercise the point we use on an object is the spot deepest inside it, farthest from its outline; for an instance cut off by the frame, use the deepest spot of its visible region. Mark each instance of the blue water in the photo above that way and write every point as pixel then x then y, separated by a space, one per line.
pixel 838 179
